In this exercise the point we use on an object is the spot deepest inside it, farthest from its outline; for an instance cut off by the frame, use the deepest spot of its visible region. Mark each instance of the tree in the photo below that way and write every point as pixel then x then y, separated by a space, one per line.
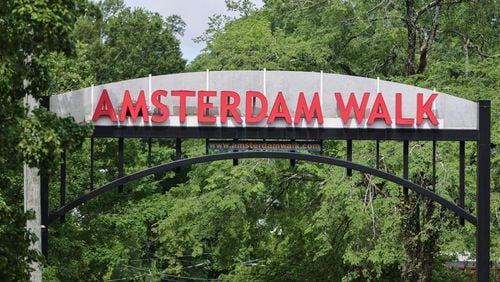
pixel 264 220
pixel 113 42
pixel 342 36
pixel 30 31
pixel 129 43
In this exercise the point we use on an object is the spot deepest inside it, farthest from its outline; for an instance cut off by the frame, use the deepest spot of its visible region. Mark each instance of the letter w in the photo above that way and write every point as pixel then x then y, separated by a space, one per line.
pixel 352 105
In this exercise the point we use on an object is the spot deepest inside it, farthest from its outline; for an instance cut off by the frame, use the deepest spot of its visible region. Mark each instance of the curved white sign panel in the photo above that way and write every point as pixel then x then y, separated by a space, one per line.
pixel 277 99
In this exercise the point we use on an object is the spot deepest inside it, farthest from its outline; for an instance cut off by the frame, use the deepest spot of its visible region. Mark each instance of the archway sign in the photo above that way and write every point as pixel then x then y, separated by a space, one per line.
pixel 281 105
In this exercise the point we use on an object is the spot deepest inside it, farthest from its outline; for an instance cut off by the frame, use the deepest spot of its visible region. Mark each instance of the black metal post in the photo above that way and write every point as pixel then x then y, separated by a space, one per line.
pixel 178 152
pixel 461 199
pixel 62 188
pixel 235 161
pixel 434 165
pixel 483 193
pixel 349 156
pixel 149 152
pixel 292 161
pixel 405 165
pixel 44 207
pixel 120 161
pixel 92 163
pixel 178 149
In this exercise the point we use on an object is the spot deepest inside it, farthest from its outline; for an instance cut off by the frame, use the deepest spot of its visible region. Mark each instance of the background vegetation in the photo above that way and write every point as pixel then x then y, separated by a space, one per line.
pixel 261 220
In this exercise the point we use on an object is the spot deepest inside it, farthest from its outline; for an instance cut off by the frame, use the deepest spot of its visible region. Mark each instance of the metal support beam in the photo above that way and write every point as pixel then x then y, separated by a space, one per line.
pixel 349 156
pixel 434 165
pixel 276 155
pixel 178 149
pixel 235 161
pixel 461 199
pixel 405 165
pixel 483 192
pixel 62 187
pixel 292 161
pixel 92 163
pixel 242 132
pixel 120 161
pixel 149 152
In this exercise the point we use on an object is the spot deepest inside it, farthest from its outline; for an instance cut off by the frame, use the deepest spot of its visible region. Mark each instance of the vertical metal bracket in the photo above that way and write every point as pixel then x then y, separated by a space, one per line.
pixel 434 165
pixel 120 161
pixel 461 199
pixel 149 152
pixel 349 156
pixel 377 161
pixel 235 161
pixel 405 165
pixel 483 192
pixel 91 163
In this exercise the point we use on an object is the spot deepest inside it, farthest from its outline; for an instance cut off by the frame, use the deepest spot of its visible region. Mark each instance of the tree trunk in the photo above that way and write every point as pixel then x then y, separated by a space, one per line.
pixel 427 45
pixel 429 246
pixel 466 55
pixel 411 27
pixel 411 230
pixel 419 250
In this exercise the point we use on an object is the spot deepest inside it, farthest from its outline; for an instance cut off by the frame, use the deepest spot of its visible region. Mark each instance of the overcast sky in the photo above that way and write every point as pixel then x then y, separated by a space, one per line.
pixel 194 12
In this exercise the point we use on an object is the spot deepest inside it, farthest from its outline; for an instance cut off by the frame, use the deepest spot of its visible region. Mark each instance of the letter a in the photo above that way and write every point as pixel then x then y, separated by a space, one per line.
pixel 104 107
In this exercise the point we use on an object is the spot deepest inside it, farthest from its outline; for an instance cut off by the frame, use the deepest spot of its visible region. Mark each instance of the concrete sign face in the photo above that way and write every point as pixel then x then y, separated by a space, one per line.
pixel 268 99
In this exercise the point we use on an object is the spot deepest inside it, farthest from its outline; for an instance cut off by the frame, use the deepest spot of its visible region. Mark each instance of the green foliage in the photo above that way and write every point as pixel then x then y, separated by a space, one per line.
pixel 15 255
pixel 253 46
pixel 30 31
pixel 129 43
pixel 41 146
pixel 263 220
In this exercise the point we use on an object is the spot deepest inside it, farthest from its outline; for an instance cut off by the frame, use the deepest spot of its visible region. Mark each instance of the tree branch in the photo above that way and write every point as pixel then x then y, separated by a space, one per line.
pixel 481 53
pixel 376 7
pixel 472 45
pixel 425 8
pixel 347 69
pixel 426 48
pixel 433 4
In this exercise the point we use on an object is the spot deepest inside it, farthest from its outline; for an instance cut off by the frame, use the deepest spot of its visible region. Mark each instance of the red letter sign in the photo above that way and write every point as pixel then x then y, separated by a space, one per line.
pixel 280 110
pixel 202 106
pixel 383 113
pixel 104 107
pixel 400 120
pixel 226 107
pixel 308 112
pixel 425 109
pixel 140 107
pixel 182 94
pixel 352 104
pixel 250 97
pixel 162 107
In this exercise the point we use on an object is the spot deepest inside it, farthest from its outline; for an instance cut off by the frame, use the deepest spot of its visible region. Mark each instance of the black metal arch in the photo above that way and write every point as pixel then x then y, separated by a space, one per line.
pixel 274 155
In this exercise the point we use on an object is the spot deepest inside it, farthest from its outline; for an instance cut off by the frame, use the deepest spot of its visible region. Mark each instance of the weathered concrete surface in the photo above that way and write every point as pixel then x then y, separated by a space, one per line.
pixel 32 202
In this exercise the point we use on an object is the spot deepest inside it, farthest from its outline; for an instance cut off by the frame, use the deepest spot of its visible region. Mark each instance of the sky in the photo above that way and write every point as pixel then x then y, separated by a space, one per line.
pixel 194 12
